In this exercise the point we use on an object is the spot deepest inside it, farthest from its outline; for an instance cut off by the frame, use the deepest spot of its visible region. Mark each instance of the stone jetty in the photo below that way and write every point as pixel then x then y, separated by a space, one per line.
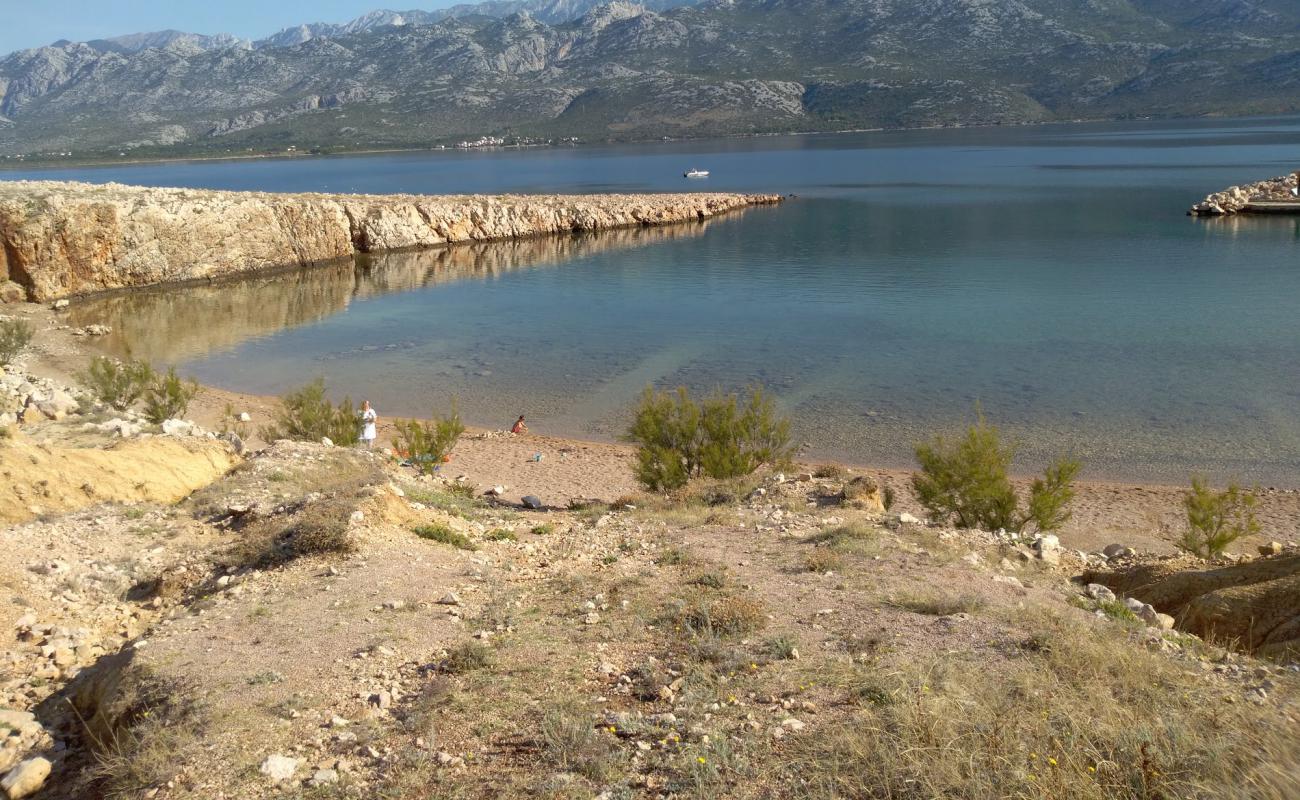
pixel 1239 199
pixel 59 239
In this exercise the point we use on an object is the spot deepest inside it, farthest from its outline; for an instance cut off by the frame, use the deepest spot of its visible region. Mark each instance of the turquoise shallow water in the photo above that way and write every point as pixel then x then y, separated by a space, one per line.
pixel 1047 273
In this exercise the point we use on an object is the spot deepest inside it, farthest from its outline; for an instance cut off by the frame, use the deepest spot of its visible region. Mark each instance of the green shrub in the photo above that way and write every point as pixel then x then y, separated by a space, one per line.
pixel 118 383
pixel 307 415
pixel 966 482
pixel 168 397
pixel 1217 519
pixel 427 444
pixel 15 334
pixel 501 535
pixel 441 533
pixel 678 439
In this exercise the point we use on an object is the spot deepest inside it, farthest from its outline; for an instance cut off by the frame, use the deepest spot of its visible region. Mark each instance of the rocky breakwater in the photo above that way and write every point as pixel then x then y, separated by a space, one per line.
pixel 61 239
pixel 1234 199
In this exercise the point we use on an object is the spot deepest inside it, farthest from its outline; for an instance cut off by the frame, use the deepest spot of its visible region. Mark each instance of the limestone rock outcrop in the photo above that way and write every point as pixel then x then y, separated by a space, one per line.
pixel 1255 603
pixel 1235 198
pixel 61 239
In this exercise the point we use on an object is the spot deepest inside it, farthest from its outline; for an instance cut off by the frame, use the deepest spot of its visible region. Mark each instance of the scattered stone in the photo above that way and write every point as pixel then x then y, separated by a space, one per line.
pixel 1102 594
pixel 1164 622
pixel 1116 550
pixel 448 760
pixel 324 777
pixel 1048 548
pixel 793 724
pixel 26 778
pixel 244 416
pixel 1010 580
pixel 449 599
pixel 1270 549
pixel 279 768
pixel 532 501
pixel 907 519
pixel 177 427
pixel 326 441
pixel 59 305
pixel 1143 611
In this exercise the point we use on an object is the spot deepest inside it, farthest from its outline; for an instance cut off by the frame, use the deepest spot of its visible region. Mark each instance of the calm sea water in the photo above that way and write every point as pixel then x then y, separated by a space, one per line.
pixel 1048 274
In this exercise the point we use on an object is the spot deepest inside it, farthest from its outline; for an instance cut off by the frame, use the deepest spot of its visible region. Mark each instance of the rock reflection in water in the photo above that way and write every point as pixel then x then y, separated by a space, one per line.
pixel 168 324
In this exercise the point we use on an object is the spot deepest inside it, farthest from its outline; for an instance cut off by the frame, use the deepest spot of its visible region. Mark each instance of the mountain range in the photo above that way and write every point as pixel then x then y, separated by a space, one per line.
pixel 570 68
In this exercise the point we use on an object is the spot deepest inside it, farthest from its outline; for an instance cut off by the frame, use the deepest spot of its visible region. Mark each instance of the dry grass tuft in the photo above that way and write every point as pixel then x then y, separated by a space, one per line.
pixel 467 657
pixel 572 743
pixel 319 529
pixel 823 560
pixel 1090 714
pixel 937 605
pixel 138 736
pixel 726 616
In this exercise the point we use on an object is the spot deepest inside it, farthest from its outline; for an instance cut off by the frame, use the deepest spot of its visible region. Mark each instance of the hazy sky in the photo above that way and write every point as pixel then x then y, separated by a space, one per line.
pixel 31 23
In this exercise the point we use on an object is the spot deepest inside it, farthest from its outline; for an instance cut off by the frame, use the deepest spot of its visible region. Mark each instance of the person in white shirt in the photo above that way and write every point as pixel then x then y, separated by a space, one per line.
pixel 369 419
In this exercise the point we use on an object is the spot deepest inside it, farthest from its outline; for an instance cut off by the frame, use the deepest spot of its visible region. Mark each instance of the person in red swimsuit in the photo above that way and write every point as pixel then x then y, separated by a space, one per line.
pixel 519 426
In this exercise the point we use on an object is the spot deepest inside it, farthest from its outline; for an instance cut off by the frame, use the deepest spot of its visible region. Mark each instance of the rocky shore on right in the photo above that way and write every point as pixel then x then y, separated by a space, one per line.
pixel 1235 199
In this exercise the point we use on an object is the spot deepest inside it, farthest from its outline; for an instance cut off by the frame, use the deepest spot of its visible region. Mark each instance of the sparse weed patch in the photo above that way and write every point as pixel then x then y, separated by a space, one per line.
pixel 726 616
pixel 851 538
pixel 714 579
pixel 673 557
pixel 823 559
pixel 572 743
pixel 937 605
pixel 545 529
pixel 501 535
pixel 443 498
pixel 467 657
pixel 782 647
pixel 1116 610
pixel 445 535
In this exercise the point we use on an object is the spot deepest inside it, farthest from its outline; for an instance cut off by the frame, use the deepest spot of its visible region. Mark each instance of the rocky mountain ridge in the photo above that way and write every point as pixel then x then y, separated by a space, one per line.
pixel 622 71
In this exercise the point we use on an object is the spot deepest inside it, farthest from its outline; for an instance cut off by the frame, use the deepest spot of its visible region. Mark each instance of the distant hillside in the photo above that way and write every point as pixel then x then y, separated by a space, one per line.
pixel 621 71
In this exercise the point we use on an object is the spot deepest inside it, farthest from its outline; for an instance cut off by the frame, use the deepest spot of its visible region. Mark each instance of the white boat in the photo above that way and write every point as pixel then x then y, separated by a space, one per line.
pixel 695 173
